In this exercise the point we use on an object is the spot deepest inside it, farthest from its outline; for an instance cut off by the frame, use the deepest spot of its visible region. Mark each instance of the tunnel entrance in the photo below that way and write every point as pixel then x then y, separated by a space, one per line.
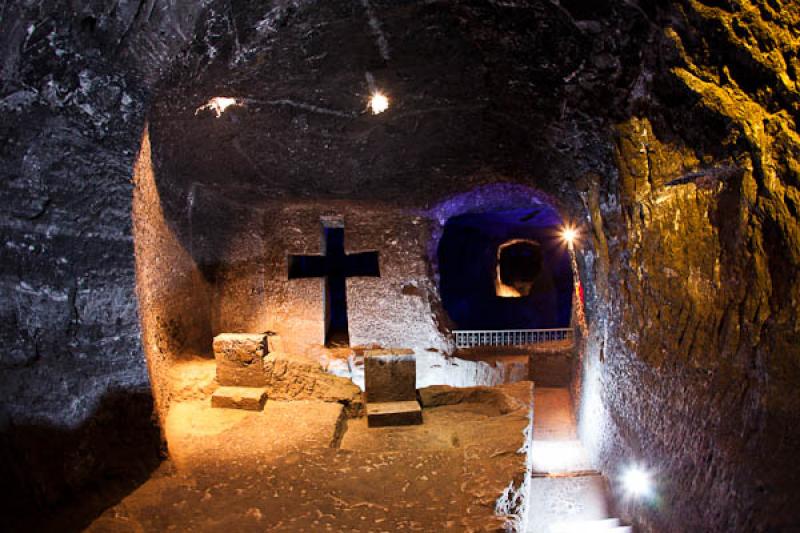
pixel 505 269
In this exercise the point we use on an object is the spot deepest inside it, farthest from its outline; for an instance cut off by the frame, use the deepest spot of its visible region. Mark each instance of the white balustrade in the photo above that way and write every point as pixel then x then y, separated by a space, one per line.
pixel 509 337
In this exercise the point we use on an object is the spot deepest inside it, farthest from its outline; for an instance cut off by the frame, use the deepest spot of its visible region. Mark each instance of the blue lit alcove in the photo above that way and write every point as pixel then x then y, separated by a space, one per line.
pixel 534 258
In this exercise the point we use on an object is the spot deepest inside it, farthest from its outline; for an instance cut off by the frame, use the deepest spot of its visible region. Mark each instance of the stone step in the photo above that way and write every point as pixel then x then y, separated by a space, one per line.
pixel 248 398
pixel 405 413
pixel 590 526
pixel 559 457
pixel 562 500
pixel 574 473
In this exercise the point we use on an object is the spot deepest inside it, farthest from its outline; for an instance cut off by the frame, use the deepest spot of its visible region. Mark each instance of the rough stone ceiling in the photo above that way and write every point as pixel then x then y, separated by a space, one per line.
pixel 476 89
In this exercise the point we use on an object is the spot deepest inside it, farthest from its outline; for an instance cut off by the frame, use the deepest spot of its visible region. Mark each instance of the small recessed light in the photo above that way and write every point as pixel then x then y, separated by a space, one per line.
pixel 378 103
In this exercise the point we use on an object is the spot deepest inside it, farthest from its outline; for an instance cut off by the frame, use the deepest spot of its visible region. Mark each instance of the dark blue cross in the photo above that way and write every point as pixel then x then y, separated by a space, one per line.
pixel 335 266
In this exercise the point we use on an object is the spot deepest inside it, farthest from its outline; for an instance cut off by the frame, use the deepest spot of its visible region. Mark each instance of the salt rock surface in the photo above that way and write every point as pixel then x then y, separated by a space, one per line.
pixel 239 359
pixel 501 397
pixel 297 377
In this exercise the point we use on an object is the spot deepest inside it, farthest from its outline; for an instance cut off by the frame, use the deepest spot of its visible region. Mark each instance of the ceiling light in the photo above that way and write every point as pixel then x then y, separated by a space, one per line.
pixel 378 103
pixel 218 105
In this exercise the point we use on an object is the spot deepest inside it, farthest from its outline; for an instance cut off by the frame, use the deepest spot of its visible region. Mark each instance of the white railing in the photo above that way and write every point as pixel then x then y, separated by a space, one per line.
pixel 509 337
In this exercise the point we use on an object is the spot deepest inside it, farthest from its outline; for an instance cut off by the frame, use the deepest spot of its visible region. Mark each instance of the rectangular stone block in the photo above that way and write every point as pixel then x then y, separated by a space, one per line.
pixel 390 378
pixel 394 414
pixel 239 358
pixel 249 398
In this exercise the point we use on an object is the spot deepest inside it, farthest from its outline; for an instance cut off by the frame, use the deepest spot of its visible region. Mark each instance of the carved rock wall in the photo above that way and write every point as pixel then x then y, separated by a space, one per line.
pixel 691 363
pixel 76 400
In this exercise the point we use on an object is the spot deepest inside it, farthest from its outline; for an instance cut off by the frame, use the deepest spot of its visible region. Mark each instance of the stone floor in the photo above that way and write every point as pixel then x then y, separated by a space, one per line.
pixel 302 466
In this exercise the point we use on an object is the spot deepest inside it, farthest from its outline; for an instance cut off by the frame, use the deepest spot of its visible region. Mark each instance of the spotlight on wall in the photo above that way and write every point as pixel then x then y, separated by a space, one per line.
pixel 378 103
pixel 569 234
pixel 218 105
pixel 637 482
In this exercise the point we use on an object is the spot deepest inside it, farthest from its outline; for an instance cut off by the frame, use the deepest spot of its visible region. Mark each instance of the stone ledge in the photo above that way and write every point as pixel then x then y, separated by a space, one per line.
pixel 247 398
pixel 374 352
pixel 507 398
pixel 404 413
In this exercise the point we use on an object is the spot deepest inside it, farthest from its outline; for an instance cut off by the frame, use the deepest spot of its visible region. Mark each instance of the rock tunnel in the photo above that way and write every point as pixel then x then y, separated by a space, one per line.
pixel 505 270
pixel 165 165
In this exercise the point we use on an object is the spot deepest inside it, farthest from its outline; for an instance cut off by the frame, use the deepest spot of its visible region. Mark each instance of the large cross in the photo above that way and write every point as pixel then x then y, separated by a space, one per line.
pixel 336 266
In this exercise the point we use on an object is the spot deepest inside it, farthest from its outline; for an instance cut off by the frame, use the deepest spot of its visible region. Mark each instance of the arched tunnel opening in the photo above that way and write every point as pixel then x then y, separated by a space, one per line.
pixel 505 269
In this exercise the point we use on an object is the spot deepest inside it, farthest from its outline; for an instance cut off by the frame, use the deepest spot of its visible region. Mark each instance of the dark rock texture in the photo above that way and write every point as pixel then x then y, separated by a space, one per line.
pixel 74 83
pixel 667 128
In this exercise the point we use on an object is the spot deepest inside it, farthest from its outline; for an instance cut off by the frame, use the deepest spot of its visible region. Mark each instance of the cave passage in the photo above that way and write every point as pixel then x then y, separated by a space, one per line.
pixel 505 269
pixel 335 266
pixel 518 263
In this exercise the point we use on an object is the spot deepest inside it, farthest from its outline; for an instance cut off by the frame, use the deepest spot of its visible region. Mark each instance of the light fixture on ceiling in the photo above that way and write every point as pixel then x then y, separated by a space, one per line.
pixel 378 103
pixel 218 105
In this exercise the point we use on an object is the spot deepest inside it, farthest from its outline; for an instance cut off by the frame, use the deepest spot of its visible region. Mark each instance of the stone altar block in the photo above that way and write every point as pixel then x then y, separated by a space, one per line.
pixel 391 388
pixel 240 359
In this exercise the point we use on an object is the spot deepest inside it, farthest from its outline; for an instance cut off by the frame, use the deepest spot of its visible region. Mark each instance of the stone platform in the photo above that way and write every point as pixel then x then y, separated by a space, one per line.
pixel 302 466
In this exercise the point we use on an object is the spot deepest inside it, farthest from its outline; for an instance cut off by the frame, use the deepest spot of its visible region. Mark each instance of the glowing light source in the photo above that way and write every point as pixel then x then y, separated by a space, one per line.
pixel 218 105
pixel 378 103
pixel 569 234
pixel 637 482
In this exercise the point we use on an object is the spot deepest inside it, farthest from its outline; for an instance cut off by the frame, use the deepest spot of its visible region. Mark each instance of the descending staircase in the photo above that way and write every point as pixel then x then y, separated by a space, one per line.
pixel 571 504
pixel 566 494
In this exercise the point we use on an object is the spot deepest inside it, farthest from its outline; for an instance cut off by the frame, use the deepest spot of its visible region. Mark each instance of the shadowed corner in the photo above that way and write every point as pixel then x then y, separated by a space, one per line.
pixel 59 479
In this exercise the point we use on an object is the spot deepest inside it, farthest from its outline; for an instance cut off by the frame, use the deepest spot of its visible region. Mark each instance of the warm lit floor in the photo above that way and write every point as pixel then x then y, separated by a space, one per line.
pixel 301 466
